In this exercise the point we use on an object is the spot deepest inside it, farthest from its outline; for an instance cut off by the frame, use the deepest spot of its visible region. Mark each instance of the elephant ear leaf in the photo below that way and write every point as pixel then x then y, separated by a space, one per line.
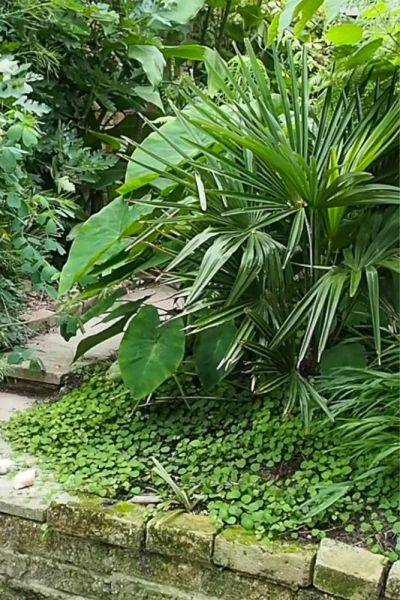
pixel 210 349
pixel 150 351
pixel 102 235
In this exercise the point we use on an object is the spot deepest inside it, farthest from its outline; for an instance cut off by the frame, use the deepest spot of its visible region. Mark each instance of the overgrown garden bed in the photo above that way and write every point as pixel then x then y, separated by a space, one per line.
pixel 235 456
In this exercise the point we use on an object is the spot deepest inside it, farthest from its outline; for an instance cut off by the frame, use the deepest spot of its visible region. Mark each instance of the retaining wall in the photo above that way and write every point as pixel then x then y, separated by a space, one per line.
pixel 81 550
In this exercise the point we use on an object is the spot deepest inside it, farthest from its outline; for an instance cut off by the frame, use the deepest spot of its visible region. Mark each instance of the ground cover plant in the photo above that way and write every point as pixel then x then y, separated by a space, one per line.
pixel 249 466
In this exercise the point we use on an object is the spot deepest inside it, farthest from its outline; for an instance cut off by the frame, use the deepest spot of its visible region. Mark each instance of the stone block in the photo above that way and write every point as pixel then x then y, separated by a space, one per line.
pixel 13 565
pixel 51 377
pixel 288 564
pixel 58 576
pixel 164 570
pixel 69 579
pixel 120 525
pixel 126 588
pixel 40 320
pixel 392 591
pixel 230 585
pixel 349 572
pixel 19 534
pixel 30 590
pixel 189 537
pixel 29 503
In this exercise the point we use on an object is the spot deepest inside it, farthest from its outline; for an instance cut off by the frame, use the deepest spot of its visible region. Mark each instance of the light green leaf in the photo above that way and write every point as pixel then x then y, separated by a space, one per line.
pixel 363 54
pixel 180 11
pixel 210 349
pixel 216 72
pixel 186 51
pixel 287 15
pixel 345 34
pixel 273 30
pixel 8 160
pixel 14 133
pixel 333 8
pixel 101 232
pixel 138 175
pixel 151 59
pixel 150 352
pixel 307 9
pixel 29 137
pixel 146 93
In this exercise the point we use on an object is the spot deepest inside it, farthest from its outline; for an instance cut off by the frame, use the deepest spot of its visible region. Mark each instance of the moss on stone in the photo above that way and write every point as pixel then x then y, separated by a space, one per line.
pixel 393 582
pixel 97 522
pixel 344 585
pixel 289 564
pixel 183 535
pixel 229 585
pixel 242 536
pixel 312 594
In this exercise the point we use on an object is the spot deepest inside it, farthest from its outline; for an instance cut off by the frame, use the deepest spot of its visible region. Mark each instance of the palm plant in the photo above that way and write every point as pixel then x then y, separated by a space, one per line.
pixel 274 216
pixel 291 224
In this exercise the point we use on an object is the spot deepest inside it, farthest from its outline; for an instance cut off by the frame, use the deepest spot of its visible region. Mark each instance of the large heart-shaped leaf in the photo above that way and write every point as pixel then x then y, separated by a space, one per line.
pixel 145 164
pixel 101 233
pixel 180 11
pixel 151 59
pixel 211 347
pixel 150 351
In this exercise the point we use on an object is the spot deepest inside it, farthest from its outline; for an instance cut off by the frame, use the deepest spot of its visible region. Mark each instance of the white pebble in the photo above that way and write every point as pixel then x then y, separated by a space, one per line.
pixel 6 465
pixel 24 479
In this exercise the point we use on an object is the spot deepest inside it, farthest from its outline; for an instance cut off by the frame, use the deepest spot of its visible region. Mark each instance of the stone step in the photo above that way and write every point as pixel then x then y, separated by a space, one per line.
pixel 57 354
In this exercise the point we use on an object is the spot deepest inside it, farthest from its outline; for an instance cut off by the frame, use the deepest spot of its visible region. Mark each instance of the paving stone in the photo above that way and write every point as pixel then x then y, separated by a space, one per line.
pixel 10 403
pixel 287 563
pixel 187 536
pixel 349 572
pixel 57 354
pixel 40 320
pixel 31 502
pixel 121 525
pixel 392 591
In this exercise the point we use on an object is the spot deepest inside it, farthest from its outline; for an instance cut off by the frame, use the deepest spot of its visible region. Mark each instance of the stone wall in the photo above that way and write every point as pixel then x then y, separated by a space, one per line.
pixel 81 550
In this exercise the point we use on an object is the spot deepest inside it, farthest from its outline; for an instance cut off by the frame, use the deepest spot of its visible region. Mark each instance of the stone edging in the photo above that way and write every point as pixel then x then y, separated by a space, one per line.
pixel 82 550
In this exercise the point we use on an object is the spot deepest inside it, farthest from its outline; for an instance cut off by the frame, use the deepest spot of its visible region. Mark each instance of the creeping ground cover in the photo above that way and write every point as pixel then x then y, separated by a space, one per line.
pixel 234 454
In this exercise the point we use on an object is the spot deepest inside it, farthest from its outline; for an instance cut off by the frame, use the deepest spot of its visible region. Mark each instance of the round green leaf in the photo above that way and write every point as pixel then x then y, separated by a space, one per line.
pixel 247 522
pixel 344 34
pixel 211 347
pixel 150 352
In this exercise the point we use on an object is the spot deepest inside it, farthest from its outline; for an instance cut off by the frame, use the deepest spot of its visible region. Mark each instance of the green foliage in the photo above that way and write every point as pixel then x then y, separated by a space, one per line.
pixel 31 219
pixel 11 306
pixel 279 220
pixel 366 406
pixel 254 468
pixel 361 33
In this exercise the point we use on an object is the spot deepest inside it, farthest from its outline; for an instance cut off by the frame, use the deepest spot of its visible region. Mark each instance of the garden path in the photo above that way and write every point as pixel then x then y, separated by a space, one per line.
pixel 57 355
